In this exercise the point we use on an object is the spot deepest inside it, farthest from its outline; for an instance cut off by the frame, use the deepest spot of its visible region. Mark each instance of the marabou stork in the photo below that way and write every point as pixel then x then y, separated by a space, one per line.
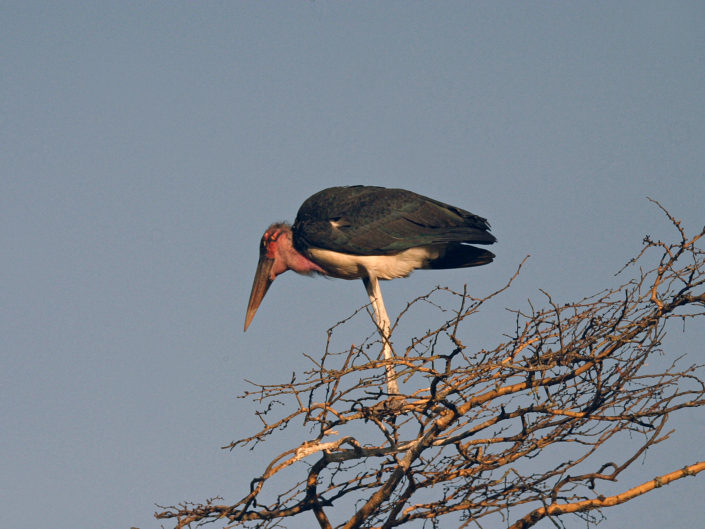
pixel 370 233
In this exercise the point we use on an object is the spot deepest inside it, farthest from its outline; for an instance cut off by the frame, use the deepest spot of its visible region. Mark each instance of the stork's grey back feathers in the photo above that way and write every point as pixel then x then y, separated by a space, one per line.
pixel 368 220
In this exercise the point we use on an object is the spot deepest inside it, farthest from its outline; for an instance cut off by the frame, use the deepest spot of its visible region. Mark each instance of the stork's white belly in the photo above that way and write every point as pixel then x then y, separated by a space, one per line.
pixel 347 266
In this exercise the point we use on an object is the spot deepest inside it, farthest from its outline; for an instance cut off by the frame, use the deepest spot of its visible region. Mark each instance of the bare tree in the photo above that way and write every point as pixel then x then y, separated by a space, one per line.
pixel 522 432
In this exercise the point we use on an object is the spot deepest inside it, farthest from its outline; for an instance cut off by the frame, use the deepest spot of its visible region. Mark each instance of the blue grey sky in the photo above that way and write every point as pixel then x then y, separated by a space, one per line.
pixel 147 145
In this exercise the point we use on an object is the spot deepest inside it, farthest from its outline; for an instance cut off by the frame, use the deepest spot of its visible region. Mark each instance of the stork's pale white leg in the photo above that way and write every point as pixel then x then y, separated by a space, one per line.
pixel 384 327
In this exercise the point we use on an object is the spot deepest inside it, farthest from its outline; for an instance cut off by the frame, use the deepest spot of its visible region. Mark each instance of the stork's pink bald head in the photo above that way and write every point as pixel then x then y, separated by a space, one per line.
pixel 276 255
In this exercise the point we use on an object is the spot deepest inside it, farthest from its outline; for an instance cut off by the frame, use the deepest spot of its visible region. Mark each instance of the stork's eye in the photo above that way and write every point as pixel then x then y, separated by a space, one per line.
pixel 271 237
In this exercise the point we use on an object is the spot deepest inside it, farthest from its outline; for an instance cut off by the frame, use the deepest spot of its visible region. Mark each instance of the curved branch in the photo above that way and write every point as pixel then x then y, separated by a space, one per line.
pixel 580 506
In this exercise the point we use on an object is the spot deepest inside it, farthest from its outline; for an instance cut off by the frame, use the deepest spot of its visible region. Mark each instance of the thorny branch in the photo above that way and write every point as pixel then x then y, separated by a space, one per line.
pixel 473 435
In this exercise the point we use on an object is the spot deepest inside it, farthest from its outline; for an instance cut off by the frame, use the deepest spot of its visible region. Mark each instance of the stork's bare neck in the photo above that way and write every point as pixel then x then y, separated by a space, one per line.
pixel 278 245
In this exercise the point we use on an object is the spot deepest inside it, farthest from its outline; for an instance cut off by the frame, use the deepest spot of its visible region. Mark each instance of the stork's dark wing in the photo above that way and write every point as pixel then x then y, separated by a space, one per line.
pixel 365 220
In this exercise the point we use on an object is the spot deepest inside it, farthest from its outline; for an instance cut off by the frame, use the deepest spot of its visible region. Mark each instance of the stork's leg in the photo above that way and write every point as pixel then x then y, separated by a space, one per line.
pixel 384 327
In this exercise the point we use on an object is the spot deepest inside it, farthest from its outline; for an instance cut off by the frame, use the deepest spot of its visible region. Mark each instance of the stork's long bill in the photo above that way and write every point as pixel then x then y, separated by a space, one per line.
pixel 369 233
pixel 259 287
pixel 276 256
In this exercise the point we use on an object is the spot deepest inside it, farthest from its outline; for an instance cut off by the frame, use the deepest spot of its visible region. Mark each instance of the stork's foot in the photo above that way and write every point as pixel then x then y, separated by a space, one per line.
pixel 393 404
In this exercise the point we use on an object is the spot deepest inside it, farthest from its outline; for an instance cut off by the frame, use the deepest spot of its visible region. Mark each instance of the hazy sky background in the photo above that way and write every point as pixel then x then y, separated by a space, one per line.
pixel 147 145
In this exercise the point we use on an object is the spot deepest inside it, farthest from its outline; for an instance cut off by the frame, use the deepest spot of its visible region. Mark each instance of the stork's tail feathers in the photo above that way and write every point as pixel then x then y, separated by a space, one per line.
pixel 458 255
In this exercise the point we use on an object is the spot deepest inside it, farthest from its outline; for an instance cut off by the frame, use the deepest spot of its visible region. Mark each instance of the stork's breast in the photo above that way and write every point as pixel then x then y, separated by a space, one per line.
pixel 349 266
